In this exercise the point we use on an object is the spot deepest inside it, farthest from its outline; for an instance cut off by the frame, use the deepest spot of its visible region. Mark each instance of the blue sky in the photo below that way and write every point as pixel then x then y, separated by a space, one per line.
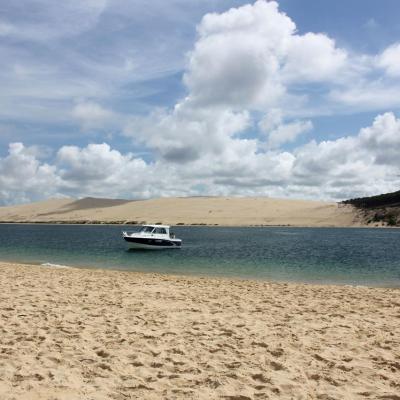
pixel 149 94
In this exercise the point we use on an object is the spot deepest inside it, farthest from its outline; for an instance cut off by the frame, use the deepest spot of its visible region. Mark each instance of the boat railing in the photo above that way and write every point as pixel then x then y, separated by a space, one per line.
pixel 129 233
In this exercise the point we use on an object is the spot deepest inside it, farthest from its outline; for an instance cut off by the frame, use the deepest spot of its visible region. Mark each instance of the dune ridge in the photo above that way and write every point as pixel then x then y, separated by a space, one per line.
pixel 93 334
pixel 225 211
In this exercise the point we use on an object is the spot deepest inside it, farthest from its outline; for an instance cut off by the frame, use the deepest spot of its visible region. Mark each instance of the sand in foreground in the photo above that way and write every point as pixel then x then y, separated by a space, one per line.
pixel 85 334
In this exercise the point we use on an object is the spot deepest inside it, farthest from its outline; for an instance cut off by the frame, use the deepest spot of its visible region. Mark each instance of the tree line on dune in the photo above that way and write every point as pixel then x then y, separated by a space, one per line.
pixel 381 200
pixel 383 208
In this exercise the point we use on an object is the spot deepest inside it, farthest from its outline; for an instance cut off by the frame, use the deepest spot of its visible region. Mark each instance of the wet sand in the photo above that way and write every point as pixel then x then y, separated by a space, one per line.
pixel 92 334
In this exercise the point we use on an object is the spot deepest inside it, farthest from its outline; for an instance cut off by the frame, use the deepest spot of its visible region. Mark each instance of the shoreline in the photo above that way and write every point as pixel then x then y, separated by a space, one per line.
pixel 199 225
pixel 101 334
pixel 183 275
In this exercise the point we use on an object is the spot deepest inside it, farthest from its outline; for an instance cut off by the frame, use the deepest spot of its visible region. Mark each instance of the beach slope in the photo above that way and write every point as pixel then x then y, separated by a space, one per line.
pixel 91 334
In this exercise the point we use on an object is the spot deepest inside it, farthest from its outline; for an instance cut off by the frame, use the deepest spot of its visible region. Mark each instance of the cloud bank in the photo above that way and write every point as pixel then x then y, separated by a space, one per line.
pixel 366 163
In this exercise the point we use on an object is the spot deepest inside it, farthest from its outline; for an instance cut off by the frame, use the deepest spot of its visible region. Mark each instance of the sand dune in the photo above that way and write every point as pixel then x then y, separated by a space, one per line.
pixel 91 334
pixel 227 211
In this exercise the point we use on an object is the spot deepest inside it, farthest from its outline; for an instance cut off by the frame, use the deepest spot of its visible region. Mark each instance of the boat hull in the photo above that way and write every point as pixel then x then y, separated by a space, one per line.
pixel 152 243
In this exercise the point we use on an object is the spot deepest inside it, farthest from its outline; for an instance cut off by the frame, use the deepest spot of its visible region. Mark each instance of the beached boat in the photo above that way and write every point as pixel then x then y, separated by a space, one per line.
pixel 153 237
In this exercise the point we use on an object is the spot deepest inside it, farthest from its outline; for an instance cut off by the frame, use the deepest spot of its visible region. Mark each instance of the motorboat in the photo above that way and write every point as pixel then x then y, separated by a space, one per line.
pixel 153 237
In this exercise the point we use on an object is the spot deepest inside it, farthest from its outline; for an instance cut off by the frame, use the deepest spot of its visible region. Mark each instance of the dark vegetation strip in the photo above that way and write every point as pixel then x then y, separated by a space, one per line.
pixel 382 209
pixel 381 200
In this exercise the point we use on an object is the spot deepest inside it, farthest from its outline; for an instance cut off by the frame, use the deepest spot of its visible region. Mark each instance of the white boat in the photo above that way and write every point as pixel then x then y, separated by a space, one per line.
pixel 153 237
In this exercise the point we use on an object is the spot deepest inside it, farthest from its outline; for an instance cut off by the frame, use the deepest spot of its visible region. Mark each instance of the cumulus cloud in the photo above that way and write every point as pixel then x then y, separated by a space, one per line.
pixel 353 165
pixel 390 60
pixel 189 133
pixel 248 57
pixel 243 61
pixel 366 163
pixel 382 139
pixel 94 170
pixel 23 177
pixel 313 58
pixel 249 61
pixel 236 57
pixel 278 132
pixel 288 132
pixel 100 171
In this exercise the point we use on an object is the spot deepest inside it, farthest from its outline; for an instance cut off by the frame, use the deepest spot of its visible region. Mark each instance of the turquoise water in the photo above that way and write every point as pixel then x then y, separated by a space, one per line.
pixel 318 255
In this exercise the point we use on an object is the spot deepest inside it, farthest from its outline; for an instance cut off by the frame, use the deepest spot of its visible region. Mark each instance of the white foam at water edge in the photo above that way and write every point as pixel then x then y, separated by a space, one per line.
pixel 50 265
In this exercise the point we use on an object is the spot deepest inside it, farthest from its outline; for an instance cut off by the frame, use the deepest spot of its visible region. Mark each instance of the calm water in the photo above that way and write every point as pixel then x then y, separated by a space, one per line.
pixel 349 256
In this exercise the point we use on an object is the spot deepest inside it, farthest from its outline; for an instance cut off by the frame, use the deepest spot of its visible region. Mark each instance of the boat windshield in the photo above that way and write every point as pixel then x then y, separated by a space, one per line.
pixel 147 229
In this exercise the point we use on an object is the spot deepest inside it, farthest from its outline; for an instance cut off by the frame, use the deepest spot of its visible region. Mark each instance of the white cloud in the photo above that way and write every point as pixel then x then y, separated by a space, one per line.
pixel 189 133
pixel 353 165
pixel 248 57
pixel 390 60
pixel 313 58
pixel 383 140
pixel 92 115
pixel 23 177
pixel 252 57
pixel 278 132
pixel 236 58
pixel 287 133
pixel 242 62
pixel 364 164
pixel 98 170
pixel 366 96
pixel 271 120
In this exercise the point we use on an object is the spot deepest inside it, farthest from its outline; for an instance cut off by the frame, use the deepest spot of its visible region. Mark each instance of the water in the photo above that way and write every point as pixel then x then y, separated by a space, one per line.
pixel 318 255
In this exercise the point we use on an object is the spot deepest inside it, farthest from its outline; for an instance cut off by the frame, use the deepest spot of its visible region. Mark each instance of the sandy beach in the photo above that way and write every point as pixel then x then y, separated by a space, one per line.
pixel 93 334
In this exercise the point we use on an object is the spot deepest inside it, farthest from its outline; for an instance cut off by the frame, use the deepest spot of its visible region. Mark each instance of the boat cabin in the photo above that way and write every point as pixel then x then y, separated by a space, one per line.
pixel 153 230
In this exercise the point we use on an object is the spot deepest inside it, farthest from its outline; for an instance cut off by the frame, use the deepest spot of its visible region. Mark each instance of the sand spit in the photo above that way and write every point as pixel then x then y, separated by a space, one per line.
pixel 225 211
pixel 91 334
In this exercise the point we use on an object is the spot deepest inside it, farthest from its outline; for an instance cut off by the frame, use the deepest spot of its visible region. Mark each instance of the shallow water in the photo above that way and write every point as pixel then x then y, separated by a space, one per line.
pixel 317 255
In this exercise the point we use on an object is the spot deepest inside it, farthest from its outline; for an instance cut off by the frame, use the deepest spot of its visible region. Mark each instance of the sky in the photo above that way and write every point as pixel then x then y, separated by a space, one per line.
pixel 157 98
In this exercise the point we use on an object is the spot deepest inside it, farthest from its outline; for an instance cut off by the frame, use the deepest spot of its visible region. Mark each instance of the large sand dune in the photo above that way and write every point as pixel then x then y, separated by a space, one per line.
pixel 226 211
